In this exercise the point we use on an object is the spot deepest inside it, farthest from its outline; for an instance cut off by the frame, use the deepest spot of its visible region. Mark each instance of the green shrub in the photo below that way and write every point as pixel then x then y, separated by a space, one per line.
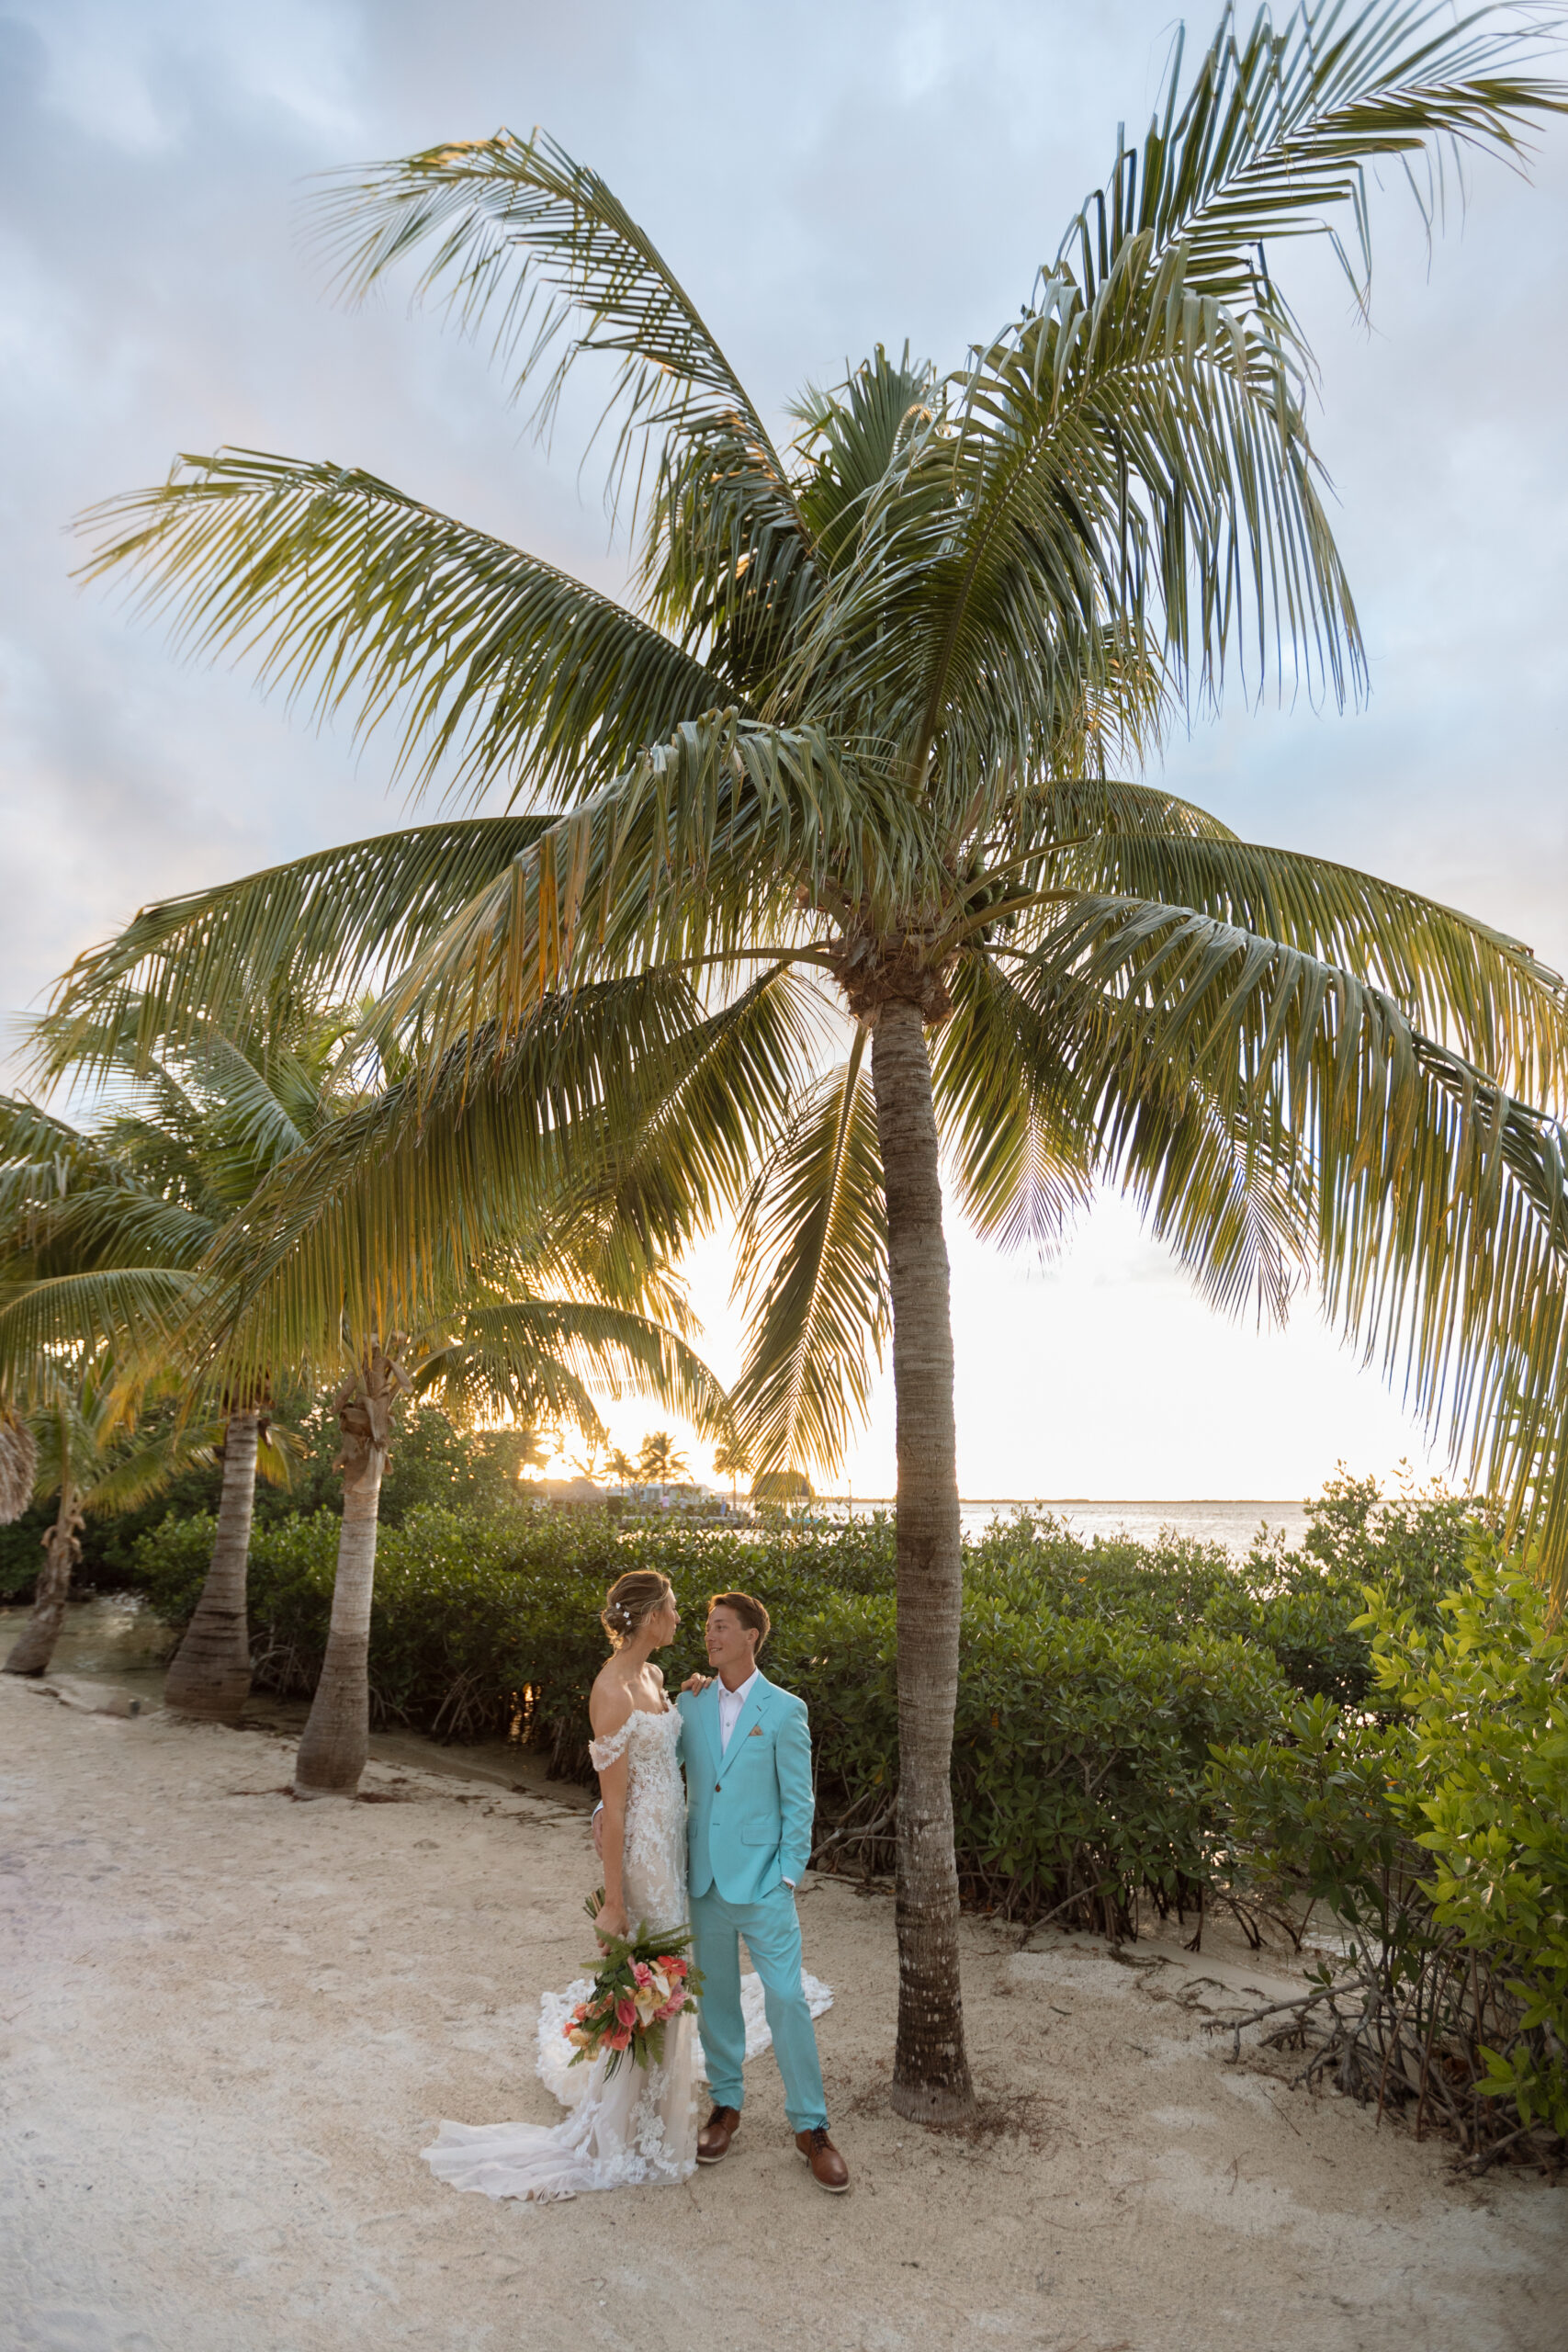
pixel 1437 1838
pixel 1134 1724
pixel 1084 1725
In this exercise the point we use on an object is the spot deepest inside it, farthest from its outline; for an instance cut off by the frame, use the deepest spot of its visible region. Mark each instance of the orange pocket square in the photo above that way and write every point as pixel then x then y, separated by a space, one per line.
pixel 756 1730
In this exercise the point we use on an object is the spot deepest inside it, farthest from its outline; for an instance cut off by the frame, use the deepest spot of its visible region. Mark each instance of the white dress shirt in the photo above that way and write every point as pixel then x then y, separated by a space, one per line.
pixel 729 1705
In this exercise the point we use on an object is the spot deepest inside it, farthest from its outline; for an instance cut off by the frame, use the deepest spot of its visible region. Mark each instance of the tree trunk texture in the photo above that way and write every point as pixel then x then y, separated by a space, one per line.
pixel 336 1739
pixel 61 1551
pixel 211 1675
pixel 930 2068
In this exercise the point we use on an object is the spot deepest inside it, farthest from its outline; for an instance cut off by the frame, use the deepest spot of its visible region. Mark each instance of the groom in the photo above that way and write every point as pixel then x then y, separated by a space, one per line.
pixel 749 1807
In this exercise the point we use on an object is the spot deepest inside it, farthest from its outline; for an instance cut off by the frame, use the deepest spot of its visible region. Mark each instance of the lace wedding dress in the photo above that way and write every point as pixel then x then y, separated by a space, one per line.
pixel 637 2126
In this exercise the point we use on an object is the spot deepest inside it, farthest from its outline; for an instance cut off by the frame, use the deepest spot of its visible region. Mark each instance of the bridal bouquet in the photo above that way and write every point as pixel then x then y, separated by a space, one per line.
pixel 643 1982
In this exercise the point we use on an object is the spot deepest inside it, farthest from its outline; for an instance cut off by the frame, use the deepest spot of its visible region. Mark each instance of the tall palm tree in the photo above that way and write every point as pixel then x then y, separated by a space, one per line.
pixel 861 745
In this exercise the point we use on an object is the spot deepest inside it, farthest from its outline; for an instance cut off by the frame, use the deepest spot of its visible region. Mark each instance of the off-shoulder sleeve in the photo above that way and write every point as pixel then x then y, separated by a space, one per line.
pixel 604 1752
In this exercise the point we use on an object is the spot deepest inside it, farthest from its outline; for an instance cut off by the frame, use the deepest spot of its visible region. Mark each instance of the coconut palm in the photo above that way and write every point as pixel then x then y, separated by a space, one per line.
pixel 731 1461
pixel 104 1227
pixel 561 1304
pixel 502 1352
pixel 865 743
pixel 660 1459
pixel 88 1457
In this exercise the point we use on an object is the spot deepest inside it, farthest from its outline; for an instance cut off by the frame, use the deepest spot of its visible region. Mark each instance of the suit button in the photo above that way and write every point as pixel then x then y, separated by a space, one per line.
pixel 718 1788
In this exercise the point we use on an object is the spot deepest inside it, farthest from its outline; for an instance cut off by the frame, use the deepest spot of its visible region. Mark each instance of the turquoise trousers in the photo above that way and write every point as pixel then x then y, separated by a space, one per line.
pixel 773 1937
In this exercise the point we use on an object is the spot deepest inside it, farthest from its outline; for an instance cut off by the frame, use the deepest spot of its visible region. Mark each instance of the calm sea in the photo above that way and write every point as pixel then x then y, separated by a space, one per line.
pixel 1232 1523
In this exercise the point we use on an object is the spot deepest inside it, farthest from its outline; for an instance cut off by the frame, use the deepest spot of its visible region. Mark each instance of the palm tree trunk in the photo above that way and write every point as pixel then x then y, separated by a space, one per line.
pixel 62 1550
pixel 930 2068
pixel 336 1739
pixel 211 1675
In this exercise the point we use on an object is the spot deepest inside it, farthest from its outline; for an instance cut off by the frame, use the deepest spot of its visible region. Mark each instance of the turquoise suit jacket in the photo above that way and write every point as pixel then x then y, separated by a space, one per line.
pixel 749 1806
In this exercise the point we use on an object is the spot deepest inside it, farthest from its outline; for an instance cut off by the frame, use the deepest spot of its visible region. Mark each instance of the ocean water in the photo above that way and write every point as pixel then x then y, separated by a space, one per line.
pixel 1234 1523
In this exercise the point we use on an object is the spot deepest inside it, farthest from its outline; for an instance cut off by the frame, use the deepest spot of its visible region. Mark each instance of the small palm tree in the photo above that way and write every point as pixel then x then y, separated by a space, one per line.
pixel 88 1457
pixel 866 744
pixel 660 1461
pixel 731 1461
pixel 621 1466
pixel 507 1350
pixel 104 1228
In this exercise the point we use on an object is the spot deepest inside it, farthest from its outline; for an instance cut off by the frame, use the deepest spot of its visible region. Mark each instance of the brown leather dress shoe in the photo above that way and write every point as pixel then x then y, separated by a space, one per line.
pixel 713 2139
pixel 828 2169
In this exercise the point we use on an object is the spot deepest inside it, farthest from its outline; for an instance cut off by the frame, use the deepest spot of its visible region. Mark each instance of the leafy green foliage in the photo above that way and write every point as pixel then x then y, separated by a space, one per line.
pixel 1435 1837
pixel 1487 1770
pixel 1094 1677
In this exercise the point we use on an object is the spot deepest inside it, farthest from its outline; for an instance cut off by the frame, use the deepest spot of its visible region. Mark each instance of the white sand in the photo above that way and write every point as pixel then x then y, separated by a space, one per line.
pixel 231 2022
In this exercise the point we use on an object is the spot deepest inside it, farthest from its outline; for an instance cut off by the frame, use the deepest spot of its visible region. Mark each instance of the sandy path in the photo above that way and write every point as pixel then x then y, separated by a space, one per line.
pixel 231 2022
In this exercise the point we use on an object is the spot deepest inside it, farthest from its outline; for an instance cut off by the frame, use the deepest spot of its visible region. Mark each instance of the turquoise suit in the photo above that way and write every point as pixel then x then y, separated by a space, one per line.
pixel 748 1809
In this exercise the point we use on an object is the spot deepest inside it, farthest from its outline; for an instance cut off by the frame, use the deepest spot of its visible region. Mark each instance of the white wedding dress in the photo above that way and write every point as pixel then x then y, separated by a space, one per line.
pixel 637 2126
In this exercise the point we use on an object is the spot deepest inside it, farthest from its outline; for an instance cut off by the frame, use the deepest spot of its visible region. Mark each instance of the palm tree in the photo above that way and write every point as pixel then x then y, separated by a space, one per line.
pixel 543 1323
pixel 861 747
pixel 104 1228
pixel 731 1461
pixel 87 1456
pixel 659 1460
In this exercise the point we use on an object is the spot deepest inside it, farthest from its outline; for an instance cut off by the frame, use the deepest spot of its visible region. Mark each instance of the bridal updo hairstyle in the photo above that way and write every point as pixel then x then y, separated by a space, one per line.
pixel 630 1600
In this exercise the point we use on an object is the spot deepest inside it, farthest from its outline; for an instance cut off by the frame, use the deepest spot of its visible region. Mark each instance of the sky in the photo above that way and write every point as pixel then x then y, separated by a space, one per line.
pixel 821 177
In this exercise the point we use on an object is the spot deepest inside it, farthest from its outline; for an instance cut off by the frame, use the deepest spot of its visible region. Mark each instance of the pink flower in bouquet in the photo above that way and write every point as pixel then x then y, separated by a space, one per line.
pixel 626 2011
pixel 619 2039
pixel 641 1973
pixel 676 2002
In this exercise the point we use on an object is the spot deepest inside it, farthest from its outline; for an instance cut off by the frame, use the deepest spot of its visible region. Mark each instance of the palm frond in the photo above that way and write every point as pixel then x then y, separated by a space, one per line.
pixel 145 1467
pixel 18 1464
pixel 1014 1127
pixel 495 667
pixel 709 840
pixel 537 243
pixel 1435 1205
pixel 541 1356
pixel 1486 992
pixel 616 1126
pixel 1276 137
pixel 811 1255
pixel 320 928
pixel 139 1312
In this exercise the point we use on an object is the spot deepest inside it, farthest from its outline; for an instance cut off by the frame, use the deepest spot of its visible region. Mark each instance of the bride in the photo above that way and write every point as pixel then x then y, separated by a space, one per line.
pixel 638 2125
